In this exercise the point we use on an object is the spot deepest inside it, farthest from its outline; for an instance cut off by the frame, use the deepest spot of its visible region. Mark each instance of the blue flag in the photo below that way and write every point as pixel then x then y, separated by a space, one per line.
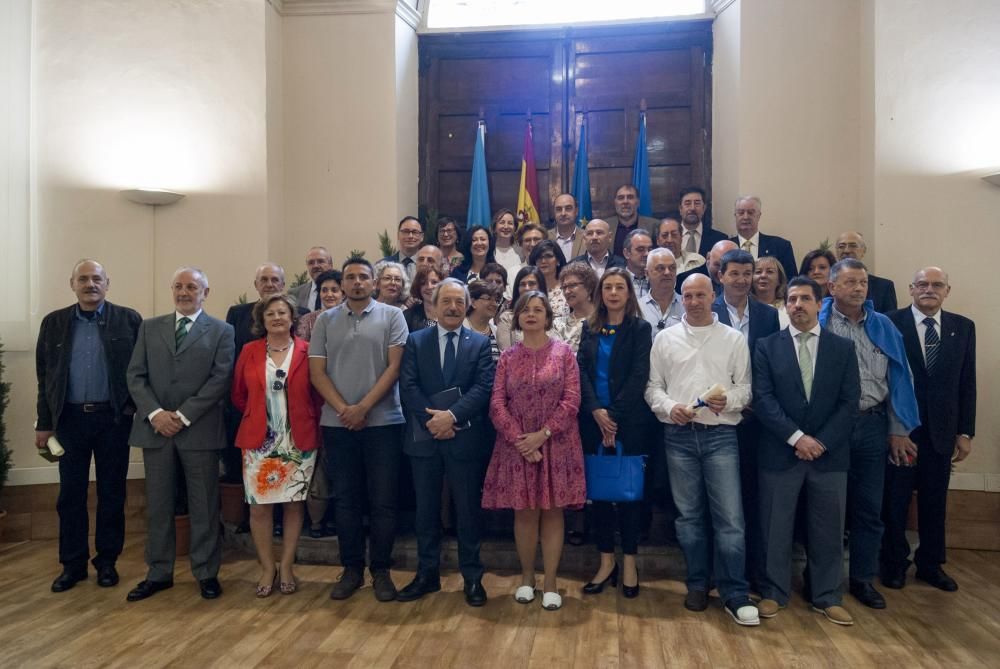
pixel 479 191
pixel 581 178
pixel 640 170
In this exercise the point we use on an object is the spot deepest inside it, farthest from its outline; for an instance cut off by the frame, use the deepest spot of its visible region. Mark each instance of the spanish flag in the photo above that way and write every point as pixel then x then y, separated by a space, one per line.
pixel 527 194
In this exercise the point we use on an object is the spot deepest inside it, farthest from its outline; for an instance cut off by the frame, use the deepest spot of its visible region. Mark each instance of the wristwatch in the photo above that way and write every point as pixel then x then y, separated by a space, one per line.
pixel 547 432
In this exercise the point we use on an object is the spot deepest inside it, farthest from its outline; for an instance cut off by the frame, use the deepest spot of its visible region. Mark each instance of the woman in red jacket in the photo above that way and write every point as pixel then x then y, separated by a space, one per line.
pixel 278 434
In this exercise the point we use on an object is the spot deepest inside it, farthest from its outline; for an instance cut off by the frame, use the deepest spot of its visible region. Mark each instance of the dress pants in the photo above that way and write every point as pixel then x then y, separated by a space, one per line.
pixel 359 461
pixel 930 479
pixel 865 483
pixel 201 476
pixel 465 481
pixel 82 435
pixel 826 493
pixel 748 434
pixel 623 516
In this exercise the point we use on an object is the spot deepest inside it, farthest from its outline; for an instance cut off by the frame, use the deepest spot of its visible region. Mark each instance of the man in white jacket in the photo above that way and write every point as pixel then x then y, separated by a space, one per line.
pixel 699 383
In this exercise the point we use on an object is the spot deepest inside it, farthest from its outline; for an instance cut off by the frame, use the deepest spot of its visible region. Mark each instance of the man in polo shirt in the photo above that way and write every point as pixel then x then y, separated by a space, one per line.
pixel 354 359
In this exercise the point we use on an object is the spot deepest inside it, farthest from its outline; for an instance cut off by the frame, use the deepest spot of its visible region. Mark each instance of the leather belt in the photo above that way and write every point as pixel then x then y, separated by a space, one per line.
pixel 91 407
pixel 877 410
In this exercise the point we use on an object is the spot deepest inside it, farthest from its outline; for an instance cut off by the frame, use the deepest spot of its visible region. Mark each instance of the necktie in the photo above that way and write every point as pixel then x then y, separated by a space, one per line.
pixel 318 303
pixel 747 246
pixel 449 360
pixel 691 246
pixel 181 332
pixel 805 362
pixel 932 343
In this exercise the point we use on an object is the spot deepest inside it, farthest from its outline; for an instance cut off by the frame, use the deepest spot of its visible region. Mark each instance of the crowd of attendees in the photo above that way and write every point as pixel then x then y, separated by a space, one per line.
pixel 486 364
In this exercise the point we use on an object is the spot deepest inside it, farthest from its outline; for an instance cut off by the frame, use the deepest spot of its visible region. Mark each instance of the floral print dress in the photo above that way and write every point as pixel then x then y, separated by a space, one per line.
pixel 277 472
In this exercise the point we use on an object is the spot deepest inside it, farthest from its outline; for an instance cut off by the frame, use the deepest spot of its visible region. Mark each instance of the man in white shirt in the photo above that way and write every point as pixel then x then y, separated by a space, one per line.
pixel 598 240
pixel 750 239
pixel 567 233
pixel 661 307
pixel 699 383
pixel 669 236
pixel 638 244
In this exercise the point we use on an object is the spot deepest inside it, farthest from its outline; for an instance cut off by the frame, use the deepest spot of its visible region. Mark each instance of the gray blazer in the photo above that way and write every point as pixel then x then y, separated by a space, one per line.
pixel 301 295
pixel 193 380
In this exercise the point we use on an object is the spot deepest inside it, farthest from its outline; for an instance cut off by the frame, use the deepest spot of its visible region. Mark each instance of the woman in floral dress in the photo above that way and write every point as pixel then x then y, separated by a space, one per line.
pixel 537 463
pixel 278 434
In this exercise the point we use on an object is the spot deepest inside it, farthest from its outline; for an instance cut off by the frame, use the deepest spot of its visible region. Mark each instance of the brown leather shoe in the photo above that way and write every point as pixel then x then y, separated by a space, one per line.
pixel 836 614
pixel 768 608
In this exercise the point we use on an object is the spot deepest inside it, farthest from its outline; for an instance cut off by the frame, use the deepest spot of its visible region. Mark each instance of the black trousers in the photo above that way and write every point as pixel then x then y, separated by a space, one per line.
pixel 360 460
pixel 627 522
pixel 84 435
pixel 930 479
pixel 465 481
pixel 748 434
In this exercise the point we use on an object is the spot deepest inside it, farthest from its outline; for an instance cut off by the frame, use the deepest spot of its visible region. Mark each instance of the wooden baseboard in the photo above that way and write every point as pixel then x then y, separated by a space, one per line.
pixel 973 520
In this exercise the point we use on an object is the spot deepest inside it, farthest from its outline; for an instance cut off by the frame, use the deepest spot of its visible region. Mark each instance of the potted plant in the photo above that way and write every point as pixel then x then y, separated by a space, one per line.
pixel 5 455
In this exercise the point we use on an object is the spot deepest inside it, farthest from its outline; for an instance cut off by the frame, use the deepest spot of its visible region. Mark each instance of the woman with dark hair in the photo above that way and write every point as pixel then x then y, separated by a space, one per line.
pixel 528 278
pixel 769 286
pixel 279 434
pixel 507 251
pixel 816 265
pixel 449 239
pixel 549 258
pixel 537 463
pixel 483 300
pixel 477 250
pixel 614 370
pixel 330 295
pixel 422 314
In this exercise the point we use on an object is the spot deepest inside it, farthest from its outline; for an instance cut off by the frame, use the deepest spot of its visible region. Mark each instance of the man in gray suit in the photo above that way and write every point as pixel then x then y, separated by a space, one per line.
pixel 318 260
pixel 178 377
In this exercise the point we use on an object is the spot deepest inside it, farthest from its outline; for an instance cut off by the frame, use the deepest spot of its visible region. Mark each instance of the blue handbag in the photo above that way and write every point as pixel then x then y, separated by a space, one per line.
pixel 614 478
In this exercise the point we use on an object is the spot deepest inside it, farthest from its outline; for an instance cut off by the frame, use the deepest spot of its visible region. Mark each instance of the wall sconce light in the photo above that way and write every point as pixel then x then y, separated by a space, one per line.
pixel 993 179
pixel 154 197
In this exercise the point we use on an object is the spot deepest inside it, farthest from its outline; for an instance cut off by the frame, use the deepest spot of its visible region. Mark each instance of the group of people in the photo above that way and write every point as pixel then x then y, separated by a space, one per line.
pixel 759 383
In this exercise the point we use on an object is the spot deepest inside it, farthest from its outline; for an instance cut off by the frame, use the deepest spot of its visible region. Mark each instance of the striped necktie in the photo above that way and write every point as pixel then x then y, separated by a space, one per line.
pixel 932 345
pixel 181 332
pixel 805 362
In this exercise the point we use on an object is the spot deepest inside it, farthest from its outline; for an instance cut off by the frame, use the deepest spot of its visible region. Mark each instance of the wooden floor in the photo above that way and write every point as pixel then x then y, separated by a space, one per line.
pixel 95 627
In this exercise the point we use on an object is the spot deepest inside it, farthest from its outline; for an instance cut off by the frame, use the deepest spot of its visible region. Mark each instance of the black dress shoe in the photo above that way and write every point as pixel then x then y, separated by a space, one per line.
pixel 867 595
pixel 936 577
pixel 67 579
pixel 631 591
pixel 210 588
pixel 475 594
pixel 592 588
pixel 147 589
pixel 107 576
pixel 894 579
pixel 418 587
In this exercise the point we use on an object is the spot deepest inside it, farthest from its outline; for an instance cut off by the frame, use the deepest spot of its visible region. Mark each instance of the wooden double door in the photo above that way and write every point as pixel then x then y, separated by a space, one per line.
pixel 559 77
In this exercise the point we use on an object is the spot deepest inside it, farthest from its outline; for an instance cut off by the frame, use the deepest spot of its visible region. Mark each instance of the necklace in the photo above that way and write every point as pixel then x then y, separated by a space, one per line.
pixel 274 349
pixel 486 331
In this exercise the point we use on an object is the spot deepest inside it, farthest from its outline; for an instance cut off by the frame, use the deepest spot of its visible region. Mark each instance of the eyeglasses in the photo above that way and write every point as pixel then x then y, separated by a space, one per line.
pixel 279 384
pixel 571 285
pixel 924 285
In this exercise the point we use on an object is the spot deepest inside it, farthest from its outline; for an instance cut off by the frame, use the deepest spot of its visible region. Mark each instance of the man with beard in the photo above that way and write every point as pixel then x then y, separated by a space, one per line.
pixel 699 236
pixel 627 218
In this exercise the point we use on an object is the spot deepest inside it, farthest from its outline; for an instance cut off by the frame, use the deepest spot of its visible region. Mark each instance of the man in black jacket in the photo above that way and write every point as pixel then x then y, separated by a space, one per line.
pixel 83 401
pixel 941 349
pixel 881 291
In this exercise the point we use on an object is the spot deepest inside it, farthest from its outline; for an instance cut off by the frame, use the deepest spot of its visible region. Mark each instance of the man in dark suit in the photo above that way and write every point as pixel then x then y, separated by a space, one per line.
pixel 627 218
pixel 447 442
pixel 737 309
pixel 941 349
pixel 881 291
pixel 597 236
pixel 751 239
pixel 179 377
pixel 83 401
pixel 806 388
pixel 318 260
pixel 713 261
pixel 699 236
pixel 409 237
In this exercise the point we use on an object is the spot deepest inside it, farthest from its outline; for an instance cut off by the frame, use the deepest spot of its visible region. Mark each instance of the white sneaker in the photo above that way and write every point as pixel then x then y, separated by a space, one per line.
pixel 524 594
pixel 743 612
pixel 551 601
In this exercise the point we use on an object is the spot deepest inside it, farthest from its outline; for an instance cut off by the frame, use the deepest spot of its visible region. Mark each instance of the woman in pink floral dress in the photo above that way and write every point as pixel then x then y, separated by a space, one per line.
pixel 537 463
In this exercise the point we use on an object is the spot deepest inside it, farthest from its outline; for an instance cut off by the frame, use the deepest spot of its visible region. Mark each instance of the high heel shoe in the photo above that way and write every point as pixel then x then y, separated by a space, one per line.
pixel 592 588
pixel 265 590
pixel 631 591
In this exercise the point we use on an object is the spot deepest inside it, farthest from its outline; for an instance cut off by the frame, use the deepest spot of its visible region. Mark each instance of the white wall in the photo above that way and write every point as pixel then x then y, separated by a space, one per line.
pixel 407 130
pixel 937 107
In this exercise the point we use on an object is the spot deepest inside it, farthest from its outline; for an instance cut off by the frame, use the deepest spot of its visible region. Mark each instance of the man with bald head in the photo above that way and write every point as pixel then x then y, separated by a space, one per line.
pixel 699 383
pixel 597 236
pixel 712 265
pixel 881 291
pixel 431 256
pixel 83 402
pixel 567 233
pixel 318 260
pixel 941 349
pixel 749 238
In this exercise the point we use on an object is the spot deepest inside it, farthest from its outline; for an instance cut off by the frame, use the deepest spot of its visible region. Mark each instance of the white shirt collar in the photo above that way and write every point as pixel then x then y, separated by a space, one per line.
pixel 794 331
pixel 602 261
pixel 919 316
pixel 178 316
pixel 443 332
pixel 755 240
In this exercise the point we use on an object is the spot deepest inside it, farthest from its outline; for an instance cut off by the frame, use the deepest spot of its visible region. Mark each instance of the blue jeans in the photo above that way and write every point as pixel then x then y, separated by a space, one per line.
pixel 704 467
pixel 865 482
